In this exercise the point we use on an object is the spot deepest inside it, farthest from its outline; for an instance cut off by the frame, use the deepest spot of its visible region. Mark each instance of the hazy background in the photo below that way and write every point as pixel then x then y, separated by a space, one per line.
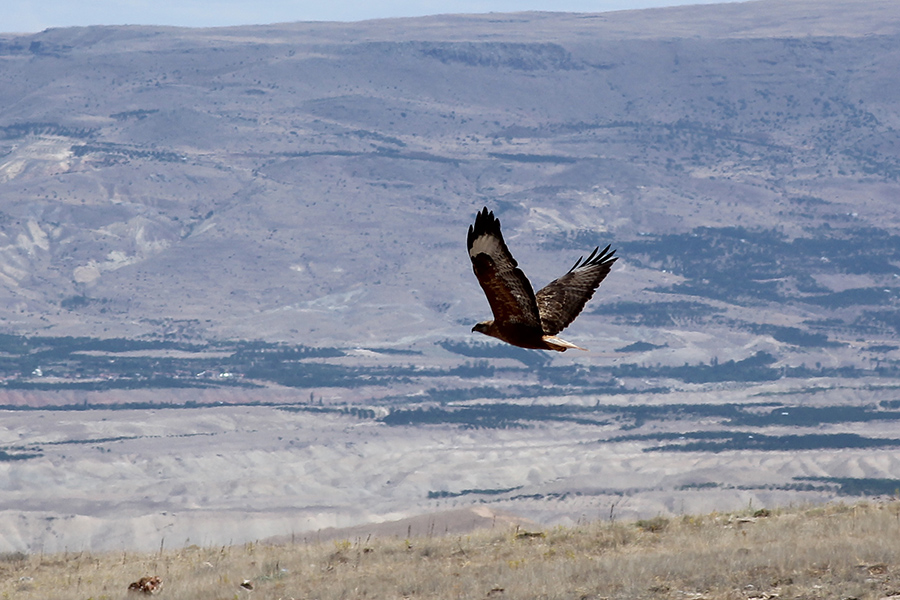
pixel 34 15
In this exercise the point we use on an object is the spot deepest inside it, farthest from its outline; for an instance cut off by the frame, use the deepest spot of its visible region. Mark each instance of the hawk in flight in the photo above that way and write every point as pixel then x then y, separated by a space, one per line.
pixel 521 317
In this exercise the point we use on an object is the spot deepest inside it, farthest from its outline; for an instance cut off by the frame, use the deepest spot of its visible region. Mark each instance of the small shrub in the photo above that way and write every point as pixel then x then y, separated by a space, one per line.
pixel 12 557
pixel 654 525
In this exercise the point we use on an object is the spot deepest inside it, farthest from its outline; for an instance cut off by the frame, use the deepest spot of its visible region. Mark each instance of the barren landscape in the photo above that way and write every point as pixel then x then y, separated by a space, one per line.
pixel 236 302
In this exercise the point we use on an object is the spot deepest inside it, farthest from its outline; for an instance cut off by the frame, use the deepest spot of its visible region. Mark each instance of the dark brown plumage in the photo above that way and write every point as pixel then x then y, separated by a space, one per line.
pixel 521 317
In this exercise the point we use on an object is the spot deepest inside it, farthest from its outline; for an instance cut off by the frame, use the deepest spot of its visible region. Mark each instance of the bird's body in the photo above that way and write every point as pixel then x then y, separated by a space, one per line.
pixel 521 317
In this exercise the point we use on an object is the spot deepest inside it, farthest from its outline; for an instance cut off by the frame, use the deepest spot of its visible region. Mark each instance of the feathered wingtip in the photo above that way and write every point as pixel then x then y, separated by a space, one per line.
pixel 485 223
pixel 603 258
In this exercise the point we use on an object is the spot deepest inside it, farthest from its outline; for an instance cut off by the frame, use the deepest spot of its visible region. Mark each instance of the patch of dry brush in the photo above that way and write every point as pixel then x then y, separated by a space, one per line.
pixel 835 551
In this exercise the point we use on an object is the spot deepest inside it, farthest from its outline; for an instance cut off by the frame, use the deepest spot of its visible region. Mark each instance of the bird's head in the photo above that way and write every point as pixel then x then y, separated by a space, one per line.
pixel 482 327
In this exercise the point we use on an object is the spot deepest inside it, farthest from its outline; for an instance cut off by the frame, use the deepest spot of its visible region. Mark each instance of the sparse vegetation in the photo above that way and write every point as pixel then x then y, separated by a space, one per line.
pixel 95 364
pixel 833 551
pixel 658 314
pixel 746 266
pixel 7 456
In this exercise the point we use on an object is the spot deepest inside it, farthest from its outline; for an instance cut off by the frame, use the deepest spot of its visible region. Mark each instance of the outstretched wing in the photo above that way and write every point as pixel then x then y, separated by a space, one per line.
pixel 507 289
pixel 561 300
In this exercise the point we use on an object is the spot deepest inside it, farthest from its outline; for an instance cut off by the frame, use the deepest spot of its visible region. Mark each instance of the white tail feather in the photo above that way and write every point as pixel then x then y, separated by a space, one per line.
pixel 560 344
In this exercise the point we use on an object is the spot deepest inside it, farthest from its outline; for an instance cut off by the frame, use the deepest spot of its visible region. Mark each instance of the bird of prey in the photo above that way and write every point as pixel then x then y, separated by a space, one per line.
pixel 521 317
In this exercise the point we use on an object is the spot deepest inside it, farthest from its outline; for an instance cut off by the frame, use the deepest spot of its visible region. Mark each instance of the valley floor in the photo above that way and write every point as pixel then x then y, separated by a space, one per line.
pixel 111 479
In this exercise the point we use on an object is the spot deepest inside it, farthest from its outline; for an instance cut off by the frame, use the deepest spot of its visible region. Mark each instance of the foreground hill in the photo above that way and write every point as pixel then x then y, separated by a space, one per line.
pixel 269 223
pixel 836 551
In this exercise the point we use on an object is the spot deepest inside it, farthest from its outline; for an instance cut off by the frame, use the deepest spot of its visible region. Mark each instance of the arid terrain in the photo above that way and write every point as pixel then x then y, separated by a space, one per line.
pixel 235 301
pixel 210 475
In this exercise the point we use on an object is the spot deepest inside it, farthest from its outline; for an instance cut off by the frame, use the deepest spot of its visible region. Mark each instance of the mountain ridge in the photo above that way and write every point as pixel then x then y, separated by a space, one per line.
pixel 307 182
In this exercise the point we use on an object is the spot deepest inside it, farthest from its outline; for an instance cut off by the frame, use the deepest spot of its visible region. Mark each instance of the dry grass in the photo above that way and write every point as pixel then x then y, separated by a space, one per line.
pixel 835 552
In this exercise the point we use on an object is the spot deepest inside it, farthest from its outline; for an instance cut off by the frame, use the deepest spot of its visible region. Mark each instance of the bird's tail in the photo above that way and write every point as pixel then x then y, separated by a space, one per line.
pixel 559 344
